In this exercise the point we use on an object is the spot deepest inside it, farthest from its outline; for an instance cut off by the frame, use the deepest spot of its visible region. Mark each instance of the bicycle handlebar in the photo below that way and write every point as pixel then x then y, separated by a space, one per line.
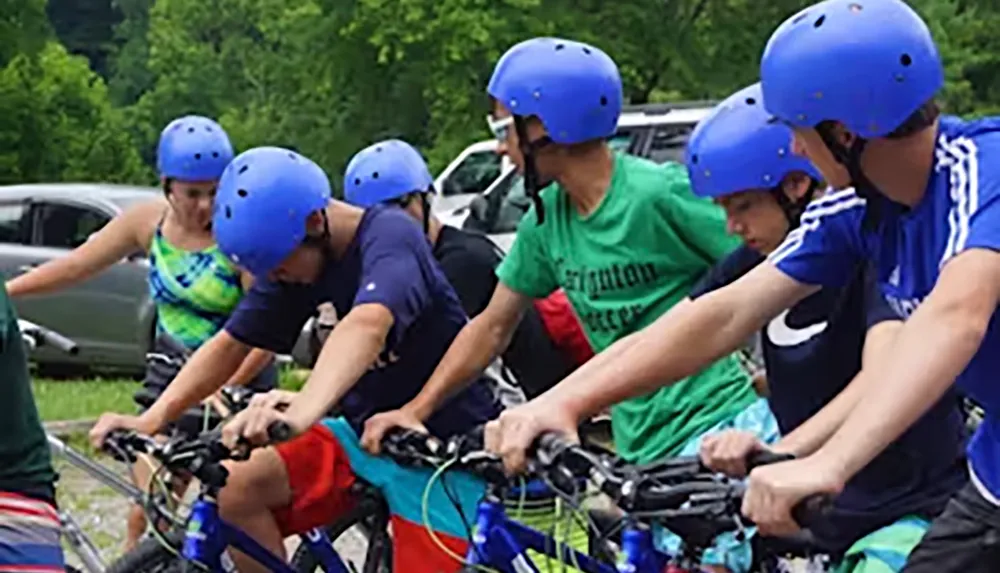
pixel 35 335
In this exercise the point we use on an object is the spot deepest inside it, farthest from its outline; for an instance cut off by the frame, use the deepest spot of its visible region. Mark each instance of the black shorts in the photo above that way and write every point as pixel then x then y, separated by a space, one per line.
pixel 965 538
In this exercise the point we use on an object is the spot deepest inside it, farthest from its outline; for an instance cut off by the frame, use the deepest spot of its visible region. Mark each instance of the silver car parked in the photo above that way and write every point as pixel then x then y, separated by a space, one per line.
pixel 109 316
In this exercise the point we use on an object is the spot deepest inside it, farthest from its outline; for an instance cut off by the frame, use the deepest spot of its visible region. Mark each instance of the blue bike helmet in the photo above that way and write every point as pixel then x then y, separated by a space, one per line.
pixel 385 171
pixel 193 148
pixel 264 198
pixel 574 89
pixel 739 147
pixel 868 64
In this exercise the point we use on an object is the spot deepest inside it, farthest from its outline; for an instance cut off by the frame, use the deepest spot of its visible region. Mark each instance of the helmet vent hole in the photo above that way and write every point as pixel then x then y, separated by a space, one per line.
pixel 906 60
pixel 357 181
pixel 560 46
pixel 855 8
pixel 293 157
pixel 378 149
pixel 241 193
pixel 197 156
pixel 208 128
pixel 190 130
pixel 751 101
pixel 604 100
pixel 819 21
pixel 800 17
pixel 215 154
pixel 243 170
pixel 586 50
pixel 694 159
pixel 229 212
pixel 375 175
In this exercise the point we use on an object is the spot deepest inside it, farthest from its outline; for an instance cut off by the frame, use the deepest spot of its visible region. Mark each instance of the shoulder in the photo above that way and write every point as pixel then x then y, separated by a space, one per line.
pixel 646 175
pixel 970 149
pixel 843 206
pixel 469 248
pixel 143 218
pixel 736 264
pixel 388 225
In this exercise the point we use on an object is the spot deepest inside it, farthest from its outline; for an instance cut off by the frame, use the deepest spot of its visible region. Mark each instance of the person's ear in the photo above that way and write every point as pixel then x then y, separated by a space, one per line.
pixel 795 185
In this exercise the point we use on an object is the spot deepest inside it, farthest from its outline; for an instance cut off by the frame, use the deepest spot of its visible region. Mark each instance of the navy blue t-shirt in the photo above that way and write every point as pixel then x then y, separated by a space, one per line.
pixel 811 353
pixel 389 262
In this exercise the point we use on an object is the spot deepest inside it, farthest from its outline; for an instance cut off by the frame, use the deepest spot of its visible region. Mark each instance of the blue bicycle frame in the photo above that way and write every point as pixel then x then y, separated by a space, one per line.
pixel 502 544
pixel 208 536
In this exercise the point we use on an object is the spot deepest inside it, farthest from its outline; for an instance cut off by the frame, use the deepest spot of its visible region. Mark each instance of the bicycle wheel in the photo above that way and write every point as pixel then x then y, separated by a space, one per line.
pixel 371 516
pixel 150 556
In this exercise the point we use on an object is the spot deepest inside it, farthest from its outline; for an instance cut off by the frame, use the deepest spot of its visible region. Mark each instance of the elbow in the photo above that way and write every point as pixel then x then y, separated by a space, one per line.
pixel 967 326
pixel 495 334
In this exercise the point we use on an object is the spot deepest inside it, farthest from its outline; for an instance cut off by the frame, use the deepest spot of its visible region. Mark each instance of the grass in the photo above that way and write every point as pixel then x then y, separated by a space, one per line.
pixel 79 399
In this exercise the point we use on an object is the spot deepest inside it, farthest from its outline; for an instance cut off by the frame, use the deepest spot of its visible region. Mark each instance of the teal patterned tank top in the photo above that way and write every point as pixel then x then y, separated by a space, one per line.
pixel 194 291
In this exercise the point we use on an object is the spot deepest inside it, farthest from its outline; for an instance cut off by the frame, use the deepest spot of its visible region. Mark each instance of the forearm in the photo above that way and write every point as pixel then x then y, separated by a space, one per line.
pixel 930 351
pixel 52 276
pixel 204 373
pixel 348 353
pixel 476 345
pixel 815 431
pixel 255 362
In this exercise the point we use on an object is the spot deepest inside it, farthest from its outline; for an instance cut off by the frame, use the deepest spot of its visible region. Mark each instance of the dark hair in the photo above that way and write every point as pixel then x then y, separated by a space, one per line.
pixel 923 118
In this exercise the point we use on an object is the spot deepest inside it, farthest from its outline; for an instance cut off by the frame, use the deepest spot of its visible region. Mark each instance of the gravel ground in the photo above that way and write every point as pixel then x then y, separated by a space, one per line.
pixel 101 514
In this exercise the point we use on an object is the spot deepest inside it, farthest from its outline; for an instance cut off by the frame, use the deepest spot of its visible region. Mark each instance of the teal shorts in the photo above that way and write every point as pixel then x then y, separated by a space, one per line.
pixel 728 551
pixel 885 550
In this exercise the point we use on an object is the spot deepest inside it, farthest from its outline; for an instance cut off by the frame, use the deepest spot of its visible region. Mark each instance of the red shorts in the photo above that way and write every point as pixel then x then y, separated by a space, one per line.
pixel 320 477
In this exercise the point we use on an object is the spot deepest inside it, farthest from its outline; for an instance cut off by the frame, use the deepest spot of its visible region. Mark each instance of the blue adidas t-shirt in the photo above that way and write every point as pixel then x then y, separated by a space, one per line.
pixel 960 211
pixel 389 262
pixel 812 351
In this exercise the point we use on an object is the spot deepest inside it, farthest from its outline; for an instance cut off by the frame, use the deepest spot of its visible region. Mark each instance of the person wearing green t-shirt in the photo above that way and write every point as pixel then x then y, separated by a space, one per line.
pixel 29 525
pixel 625 238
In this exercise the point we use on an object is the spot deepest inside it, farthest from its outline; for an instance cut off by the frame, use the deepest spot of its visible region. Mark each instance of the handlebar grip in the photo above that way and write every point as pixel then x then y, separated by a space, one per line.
pixel 279 432
pixel 552 444
pixel 765 457
pixel 59 341
pixel 812 509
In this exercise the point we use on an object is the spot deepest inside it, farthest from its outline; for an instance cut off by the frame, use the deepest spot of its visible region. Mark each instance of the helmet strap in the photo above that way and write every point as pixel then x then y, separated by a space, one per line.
pixel 850 158
pixel 322 242
pixel 793 209
pixel 532 180
pixel 425 208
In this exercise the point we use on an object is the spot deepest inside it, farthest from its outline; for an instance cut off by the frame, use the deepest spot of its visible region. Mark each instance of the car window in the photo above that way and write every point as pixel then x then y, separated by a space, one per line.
pixel 13 224
pixel 67 226
pixel 473 175
pixel 669 143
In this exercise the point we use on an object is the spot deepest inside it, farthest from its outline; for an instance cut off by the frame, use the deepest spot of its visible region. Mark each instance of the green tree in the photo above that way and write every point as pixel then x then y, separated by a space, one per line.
pixel 56 123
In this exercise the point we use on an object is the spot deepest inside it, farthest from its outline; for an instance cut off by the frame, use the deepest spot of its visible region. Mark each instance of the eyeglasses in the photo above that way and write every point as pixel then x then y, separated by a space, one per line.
pixel 500 127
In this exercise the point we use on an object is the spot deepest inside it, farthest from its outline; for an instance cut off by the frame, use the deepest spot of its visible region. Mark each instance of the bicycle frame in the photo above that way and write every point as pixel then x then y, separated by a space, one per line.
pixel 501 543
pixel 208 536
pixel 76 539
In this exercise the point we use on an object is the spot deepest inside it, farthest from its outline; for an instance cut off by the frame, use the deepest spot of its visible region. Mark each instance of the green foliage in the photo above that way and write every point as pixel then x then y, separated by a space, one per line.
pixel 56 123
pixel 329 76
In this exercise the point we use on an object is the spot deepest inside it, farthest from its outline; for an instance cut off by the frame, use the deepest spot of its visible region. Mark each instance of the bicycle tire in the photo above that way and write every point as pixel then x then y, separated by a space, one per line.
pixel 150 556
pixel 369 511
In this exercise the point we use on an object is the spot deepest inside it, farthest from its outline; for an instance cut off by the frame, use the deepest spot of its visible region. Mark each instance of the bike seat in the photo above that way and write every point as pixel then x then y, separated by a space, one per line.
pixel 144 397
